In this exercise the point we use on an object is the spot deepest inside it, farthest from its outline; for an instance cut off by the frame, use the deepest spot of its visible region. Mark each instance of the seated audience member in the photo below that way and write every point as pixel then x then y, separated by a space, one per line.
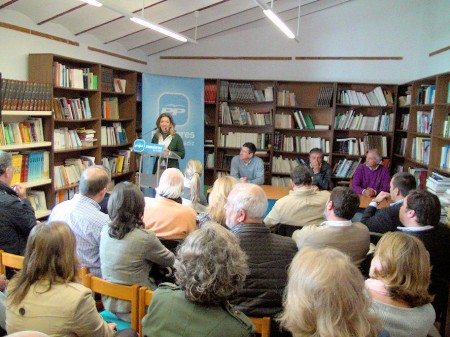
pixel 165 215
pixel 269 255
pixel 387 219
pixel 320 170
pixel 16 214
pixel 210 268
pixel 246 167
pixel 304 204
pixel 192 195
pixel 420 214
pixel 371 177
pixel 398 284
pixel 127 250
pixel 82 214
pixel 217 200
pixel 338 231
pixel 45 295
pixel 325 296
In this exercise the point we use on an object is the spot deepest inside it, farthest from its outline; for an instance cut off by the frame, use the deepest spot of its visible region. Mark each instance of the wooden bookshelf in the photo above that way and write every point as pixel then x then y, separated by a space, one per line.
pixel 93 82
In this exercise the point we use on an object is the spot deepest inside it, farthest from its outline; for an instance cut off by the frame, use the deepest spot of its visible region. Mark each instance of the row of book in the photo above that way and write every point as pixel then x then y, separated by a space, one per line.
pixel 209 159
pixel 27 96
pixel 420 149
pixel 345 168
pixel 70 172
pixel 325 98
pixel 236 139
pixel 284 165
pixel 29 131
pixel 244 92
pixel 299 144
pixel 239 116
pixel 376 97
pixel 73 77
pixel 403 143
pixel 352 120
pixel 426 94
pixel 30 166
pixel 376 142
pixel 65 139
pixel 445 157
pixel 119 162
pixel 302 121
pixel 281 181
pixel 286 98
pixel 359 147
pixel 404 122
pixel 65 194
pixel 446 127
pixel 110 108
pixel 113 134
pixel 420 174
pixel 210 93
pixel 71 108
pixel 425 121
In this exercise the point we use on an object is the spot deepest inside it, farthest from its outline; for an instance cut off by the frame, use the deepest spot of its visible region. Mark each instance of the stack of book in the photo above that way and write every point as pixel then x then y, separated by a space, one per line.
pixel 87 136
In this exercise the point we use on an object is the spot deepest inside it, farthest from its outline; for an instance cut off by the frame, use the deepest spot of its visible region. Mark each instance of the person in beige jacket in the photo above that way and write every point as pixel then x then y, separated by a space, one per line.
pixel 351 238
pixel 45 297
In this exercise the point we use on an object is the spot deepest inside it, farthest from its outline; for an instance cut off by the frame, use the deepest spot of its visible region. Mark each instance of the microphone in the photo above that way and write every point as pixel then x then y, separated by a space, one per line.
pixel 145 134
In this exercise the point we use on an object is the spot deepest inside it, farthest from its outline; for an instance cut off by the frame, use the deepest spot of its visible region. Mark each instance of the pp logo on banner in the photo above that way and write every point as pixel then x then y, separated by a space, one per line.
pixel 175 104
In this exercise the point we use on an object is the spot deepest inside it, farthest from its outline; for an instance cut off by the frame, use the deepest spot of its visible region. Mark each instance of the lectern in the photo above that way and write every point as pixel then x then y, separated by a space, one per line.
pixel 151 150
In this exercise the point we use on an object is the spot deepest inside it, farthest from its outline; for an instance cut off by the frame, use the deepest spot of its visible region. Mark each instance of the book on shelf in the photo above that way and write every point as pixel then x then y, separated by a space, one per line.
pixel 71 108
pixel 403 143
pixel 210 93
pixel 240 116
pixel 65 139
pixel 420 149
pixel 351 120
pixel 86 136
pixel 425 121
pixel 74 77
pixel 446 127
pixel 284 121
pixel 37 200
pixel 286 98
pixel 236 139
pixel 25 96
pixel 120 85
pixel 376 97
pixel 350 146
pixel 445 157
pixel 30 166
pixel 107 82
pixel 268 94
pixel 300 144
pixel 420 174
pixel 426 94
pixel 29 131
pixel 113 134
pixel 376 142
pixel 437 183
pixel 242 91
pixel 281 181
pixel 345 168
pixel 283 165
pixel 119 162
pixel 65 194
pixel 325 98
pixel 404 123
pixel 110 108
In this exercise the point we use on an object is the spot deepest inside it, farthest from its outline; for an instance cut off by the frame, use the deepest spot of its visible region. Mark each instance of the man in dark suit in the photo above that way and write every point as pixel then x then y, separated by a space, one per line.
pixel 387 219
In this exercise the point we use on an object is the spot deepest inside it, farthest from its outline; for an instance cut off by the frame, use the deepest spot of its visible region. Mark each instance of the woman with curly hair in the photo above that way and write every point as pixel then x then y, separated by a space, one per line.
pixel 127 250
pixel 325 297
pixel 210 267
pixel 398 283
pixel 217 200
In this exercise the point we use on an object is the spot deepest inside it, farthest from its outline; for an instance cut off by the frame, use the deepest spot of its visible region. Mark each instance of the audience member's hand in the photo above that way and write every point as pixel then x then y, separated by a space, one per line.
pixel 243 179
pixel 3 282
pixel 113 326
pixel 370 192
pixel 20 189
pixel 382 196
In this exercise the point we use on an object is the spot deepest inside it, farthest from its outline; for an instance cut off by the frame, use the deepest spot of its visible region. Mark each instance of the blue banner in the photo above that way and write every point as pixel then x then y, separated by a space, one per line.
pixel 183 98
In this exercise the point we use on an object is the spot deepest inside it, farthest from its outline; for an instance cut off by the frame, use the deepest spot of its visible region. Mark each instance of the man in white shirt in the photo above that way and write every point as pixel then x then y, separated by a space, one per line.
pixel 338 231
pixel 82 214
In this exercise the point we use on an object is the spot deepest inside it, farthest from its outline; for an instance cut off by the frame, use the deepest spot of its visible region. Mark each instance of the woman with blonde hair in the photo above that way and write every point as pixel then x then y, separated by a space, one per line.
pixel 325 297
pixel 192 195
pixel 45 296
pixel 217 200
pixel 398 283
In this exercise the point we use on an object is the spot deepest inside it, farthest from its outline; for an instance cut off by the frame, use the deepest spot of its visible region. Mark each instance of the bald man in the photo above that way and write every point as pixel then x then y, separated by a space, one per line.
pixel 82 214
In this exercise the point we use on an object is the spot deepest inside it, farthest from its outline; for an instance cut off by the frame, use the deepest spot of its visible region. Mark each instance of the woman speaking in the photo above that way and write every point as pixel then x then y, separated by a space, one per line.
pixel 167 136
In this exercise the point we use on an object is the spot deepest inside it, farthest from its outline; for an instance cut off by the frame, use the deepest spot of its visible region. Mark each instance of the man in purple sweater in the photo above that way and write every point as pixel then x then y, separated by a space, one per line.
pixel 371 177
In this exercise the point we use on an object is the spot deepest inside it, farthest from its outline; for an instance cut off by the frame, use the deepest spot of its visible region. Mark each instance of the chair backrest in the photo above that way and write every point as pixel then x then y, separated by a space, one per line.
pixel 119 291
pixel 10 260
pixel 82 272
pixel 145 298
pixel 262 325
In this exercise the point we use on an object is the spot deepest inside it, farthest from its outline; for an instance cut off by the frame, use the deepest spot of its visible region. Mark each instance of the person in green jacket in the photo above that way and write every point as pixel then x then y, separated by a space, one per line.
pixel 166 135
pixel 210 267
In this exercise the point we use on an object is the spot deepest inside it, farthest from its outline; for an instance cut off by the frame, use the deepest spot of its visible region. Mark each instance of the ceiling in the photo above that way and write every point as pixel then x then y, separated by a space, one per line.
pixel 211 17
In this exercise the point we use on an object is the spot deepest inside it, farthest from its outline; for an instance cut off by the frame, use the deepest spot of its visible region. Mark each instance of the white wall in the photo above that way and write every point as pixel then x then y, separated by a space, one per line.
pixel 407 28
pixel 15 47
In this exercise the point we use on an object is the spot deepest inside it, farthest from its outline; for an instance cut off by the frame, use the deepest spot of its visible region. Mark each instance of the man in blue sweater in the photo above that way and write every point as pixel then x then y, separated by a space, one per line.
pixel 246 167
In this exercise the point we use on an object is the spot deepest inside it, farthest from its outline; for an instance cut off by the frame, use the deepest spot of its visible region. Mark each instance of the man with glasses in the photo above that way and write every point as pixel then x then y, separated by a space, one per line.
pixel 16 214
pixel 246 167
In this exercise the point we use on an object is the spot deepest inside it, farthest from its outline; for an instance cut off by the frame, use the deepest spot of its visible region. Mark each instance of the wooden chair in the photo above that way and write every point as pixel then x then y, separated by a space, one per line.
pixel 10 260
pixel 145 298
pixel 262 325
pixel 119 291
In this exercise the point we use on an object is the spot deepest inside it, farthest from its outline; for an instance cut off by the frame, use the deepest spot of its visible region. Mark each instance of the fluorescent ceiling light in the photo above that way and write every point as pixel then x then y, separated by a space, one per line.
pixel 159 28
pixel 93 3
pixel 280 24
